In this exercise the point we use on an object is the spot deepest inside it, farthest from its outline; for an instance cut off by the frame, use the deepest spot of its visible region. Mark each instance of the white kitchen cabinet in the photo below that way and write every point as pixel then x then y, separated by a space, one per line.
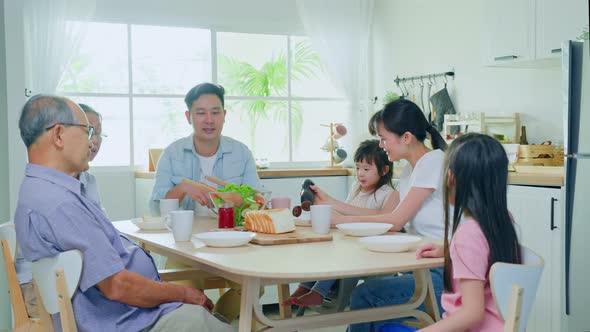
pixel 527 33
pixel 538 214
pixel 558 20
pixel 509 30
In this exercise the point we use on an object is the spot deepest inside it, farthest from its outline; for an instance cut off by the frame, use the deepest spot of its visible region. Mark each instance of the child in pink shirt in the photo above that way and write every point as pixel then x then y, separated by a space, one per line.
pixel 482 234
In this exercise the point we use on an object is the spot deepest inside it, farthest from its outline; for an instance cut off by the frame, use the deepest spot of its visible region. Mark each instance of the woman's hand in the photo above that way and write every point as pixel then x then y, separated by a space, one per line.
pixel 320 196
pixel 337 218
pixel 430 250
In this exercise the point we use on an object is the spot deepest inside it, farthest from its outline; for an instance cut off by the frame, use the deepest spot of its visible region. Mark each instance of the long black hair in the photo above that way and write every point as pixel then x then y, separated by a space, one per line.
pixel 479 167
pixel 401 116
pixel 370 152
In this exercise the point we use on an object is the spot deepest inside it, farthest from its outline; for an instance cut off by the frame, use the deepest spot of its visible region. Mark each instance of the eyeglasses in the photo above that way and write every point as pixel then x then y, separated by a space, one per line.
pixel 90 131
pixel 100 136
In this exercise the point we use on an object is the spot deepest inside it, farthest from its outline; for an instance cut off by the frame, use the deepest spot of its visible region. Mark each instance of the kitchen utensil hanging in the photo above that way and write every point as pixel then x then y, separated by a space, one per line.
pixel 400 82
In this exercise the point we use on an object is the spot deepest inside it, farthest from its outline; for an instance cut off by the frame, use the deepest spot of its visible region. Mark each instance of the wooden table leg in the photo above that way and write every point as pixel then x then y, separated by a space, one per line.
pixel 250 290
pixel 284 293
pixel 430 303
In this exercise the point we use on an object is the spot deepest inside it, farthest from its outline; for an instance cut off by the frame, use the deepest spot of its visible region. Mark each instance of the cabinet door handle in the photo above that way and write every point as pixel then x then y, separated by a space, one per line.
pixel 505 57
pixel 553 200
pixel 556 50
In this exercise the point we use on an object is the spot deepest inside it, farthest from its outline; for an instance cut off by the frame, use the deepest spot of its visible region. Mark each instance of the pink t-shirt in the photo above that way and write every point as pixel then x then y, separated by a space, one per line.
pixel 470 258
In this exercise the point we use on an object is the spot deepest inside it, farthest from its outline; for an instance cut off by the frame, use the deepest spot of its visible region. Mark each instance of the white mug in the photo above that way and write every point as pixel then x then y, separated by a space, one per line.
pixel 321 218
pixel 180 222
pixel 167 205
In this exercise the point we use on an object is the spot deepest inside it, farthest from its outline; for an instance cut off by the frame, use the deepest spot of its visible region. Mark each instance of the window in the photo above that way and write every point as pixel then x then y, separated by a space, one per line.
pixel 277 91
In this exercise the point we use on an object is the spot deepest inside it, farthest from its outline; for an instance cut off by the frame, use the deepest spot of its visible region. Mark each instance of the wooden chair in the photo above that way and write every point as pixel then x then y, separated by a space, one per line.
pixel 57 278
pixel 9 283
pixel 514 287
pixel 154 157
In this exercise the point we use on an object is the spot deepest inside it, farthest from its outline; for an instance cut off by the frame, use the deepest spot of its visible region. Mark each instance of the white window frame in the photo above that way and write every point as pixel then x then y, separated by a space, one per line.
pixel 130 95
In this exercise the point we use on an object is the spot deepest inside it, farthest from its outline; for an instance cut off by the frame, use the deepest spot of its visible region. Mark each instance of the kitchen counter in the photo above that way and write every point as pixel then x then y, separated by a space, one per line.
pixel 528 179
pixel 535 179
pixel 280 173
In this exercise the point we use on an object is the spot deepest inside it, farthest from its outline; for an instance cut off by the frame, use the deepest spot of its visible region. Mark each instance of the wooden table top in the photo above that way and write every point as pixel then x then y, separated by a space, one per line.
pixel 342 257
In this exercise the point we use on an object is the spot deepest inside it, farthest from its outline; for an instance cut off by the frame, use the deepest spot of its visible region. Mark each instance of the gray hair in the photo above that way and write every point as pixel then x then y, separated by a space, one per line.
pixel 87 109
pixel 40 112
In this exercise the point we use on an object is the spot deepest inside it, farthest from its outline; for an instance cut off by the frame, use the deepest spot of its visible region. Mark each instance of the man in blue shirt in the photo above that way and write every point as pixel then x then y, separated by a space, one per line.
pixel 204 153
pixel 120 289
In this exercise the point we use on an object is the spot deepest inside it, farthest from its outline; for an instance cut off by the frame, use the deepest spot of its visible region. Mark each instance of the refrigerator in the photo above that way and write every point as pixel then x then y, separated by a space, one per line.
pixel 576 106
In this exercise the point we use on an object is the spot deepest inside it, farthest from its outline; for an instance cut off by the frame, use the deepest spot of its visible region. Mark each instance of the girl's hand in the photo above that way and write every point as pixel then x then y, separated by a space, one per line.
pixel 320 196
pixel 430 250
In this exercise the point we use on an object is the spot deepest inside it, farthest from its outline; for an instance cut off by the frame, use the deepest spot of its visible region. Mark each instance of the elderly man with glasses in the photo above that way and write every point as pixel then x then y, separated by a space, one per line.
pixel 89 187
pixel 120 289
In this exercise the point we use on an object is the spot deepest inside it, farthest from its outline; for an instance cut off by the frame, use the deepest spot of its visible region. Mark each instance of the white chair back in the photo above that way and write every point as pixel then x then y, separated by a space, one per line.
pixel 6 233
pixel 514 287
pixel 45 272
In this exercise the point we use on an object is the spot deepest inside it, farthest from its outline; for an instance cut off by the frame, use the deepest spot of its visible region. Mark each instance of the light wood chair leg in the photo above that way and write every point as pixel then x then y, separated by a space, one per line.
pixel 66 312
pixel 21 317
pixel 45 323
pixel 512 322
pixel 284 293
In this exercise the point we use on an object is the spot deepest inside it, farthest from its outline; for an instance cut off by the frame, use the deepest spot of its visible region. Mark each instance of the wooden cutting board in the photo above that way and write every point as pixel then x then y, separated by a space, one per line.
pixel 298 236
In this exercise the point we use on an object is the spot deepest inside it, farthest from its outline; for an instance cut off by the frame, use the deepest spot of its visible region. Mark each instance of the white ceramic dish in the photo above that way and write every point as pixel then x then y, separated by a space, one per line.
pixel 390 243
pixel 225 239
pixel 151 224
pixel 364 228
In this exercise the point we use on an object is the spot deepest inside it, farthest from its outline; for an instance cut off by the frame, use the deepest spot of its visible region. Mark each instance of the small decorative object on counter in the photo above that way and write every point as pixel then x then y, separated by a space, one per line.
pixel 523 140
pixel 226 216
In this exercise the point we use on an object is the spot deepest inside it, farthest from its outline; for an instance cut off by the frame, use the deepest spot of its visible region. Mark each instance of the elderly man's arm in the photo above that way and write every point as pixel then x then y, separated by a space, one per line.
pixel 136 290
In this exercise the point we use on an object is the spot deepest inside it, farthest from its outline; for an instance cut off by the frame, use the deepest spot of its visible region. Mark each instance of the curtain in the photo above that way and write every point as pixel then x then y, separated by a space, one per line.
pixel 339 31
pixel 53 30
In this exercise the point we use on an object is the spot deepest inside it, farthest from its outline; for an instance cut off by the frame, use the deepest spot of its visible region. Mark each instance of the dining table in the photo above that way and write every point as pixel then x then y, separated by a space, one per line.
pixel 253 266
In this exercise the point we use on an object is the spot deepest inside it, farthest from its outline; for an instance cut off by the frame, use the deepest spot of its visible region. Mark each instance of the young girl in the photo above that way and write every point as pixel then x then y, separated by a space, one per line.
pixel 373 190
pixel 403 129
pixel 483 233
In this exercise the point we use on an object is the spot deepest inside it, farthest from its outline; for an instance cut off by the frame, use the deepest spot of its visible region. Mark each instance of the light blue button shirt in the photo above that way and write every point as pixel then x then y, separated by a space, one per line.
pixel 180 161
pixel 89 189
pixel 53 216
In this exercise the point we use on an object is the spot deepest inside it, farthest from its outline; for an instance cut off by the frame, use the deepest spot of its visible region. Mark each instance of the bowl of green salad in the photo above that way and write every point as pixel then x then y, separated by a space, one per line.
pixel 251 200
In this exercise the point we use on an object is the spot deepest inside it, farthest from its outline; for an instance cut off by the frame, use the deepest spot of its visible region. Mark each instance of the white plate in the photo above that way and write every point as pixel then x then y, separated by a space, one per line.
pixel 225 239
pixel 364 228
pixel 390 243
pixel 153 223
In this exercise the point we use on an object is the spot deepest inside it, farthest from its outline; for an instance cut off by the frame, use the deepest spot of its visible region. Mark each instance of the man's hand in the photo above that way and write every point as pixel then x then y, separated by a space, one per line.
pixel 200 195
pixel 430 250
pixel 320 196
pixel 195 296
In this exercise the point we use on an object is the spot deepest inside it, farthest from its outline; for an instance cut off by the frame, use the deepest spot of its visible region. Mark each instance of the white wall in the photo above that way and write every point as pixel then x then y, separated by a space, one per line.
pixel 15 86
pixel 4 190
pixel 255 16
pixel 425 36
